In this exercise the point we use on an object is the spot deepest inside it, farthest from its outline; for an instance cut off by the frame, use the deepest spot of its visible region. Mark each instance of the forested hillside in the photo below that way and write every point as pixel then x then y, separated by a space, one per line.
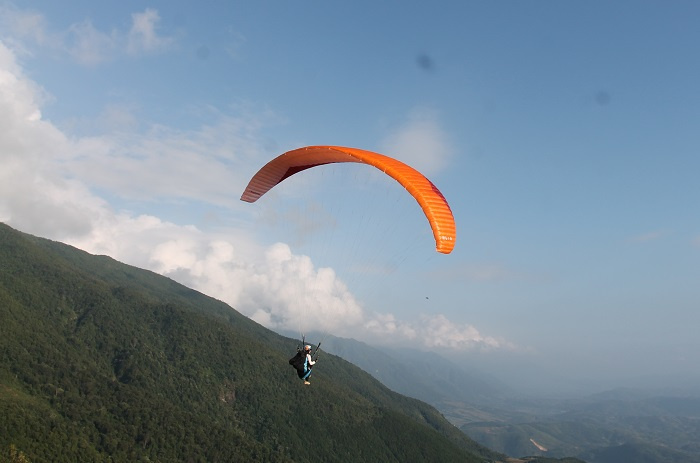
pixel 100 361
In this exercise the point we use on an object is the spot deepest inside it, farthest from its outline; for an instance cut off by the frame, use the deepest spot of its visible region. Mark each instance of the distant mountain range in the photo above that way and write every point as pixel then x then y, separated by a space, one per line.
pixel 417 373
pixel 622 425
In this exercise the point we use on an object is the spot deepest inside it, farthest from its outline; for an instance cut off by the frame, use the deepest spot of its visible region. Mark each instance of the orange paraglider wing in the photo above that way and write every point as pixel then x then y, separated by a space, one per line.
pixel 433 203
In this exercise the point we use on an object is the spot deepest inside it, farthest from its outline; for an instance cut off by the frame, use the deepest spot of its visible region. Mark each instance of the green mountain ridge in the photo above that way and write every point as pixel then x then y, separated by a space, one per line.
pixel 100 361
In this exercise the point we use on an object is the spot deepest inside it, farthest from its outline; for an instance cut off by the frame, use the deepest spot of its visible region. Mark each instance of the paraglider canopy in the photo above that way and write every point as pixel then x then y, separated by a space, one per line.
pixel 431 201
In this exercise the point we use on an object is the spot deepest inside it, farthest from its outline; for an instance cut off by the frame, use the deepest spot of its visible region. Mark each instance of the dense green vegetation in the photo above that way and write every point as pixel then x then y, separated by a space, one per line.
pixel 103 362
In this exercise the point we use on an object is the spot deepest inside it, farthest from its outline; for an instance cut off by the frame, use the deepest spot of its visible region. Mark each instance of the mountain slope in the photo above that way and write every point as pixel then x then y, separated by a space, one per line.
pixel 100 361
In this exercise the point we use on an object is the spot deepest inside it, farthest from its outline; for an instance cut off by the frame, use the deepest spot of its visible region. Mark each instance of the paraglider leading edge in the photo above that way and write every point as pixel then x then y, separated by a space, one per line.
pixel 428 196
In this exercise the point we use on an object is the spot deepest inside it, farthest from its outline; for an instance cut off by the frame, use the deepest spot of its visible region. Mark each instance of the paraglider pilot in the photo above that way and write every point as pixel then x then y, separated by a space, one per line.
pixel 308 363
pixel 303 363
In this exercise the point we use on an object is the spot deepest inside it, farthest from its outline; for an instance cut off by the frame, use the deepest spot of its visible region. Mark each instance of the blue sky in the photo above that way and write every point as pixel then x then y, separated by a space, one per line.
pixel 563 134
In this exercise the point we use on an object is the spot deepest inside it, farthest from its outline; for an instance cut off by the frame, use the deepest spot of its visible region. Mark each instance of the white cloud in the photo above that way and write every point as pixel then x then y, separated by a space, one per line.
pixel 31 150
pixel 116 118
pixel 431 331
pixel 25 24
pixel 47 187
pixel 20 97
pixel 439 332
pixel 88 45
pixel 209 164
pixel 288 289
pixel 420 142
pixel 82 41
pixel 142 37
